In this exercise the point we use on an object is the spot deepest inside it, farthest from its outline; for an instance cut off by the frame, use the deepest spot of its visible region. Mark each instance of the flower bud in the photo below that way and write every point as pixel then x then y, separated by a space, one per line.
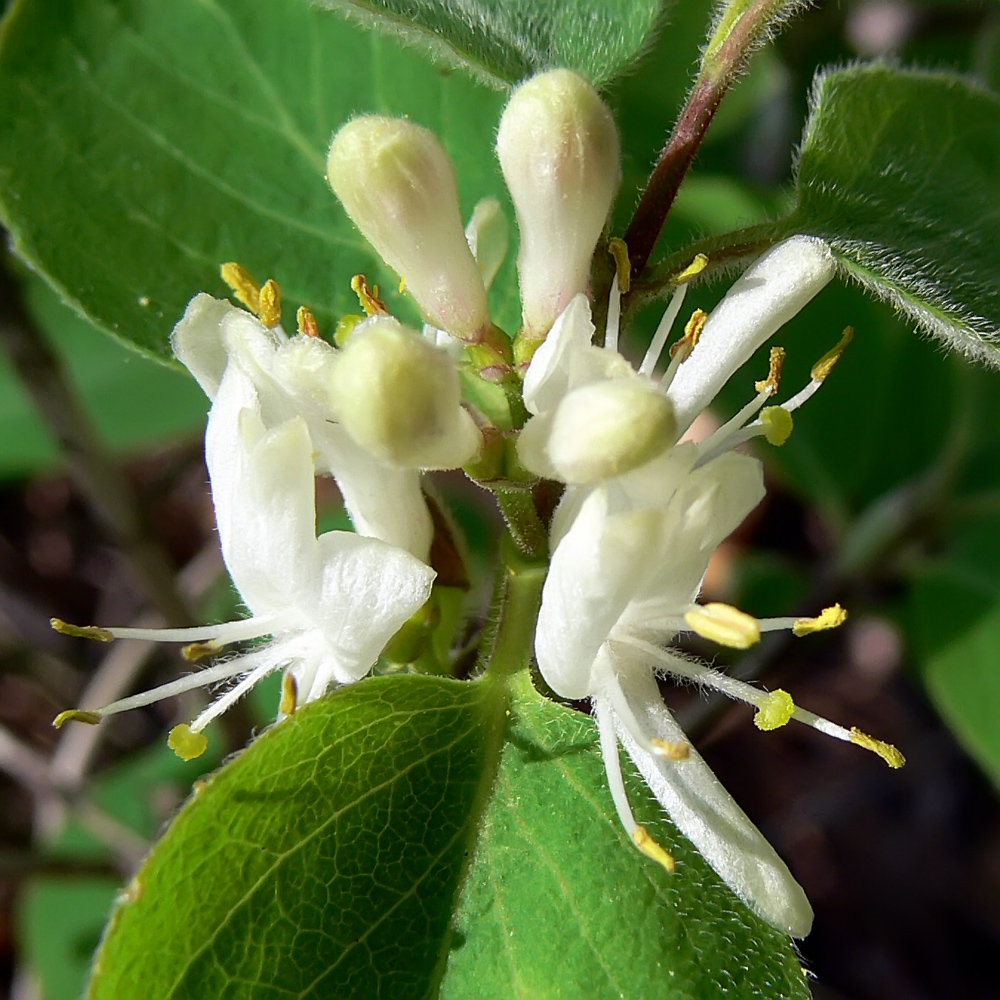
pixel 600 430
pixel 399 397
pixel 558 149
pixel 398 186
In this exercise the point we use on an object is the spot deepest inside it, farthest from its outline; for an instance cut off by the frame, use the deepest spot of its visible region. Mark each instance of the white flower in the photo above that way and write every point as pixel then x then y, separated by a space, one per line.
pixel 298 376
pixel 630 553
pixel 331 603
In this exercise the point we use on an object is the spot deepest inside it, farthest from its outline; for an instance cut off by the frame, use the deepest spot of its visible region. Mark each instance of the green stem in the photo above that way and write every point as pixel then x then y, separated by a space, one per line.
pixel 517 504
pixel 507 649
pixel 741 27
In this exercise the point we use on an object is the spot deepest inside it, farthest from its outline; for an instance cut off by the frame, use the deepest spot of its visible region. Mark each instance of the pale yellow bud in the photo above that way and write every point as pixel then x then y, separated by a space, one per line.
pixel 398 186
pixel 601 430
pixel 559 152
pixel 399 398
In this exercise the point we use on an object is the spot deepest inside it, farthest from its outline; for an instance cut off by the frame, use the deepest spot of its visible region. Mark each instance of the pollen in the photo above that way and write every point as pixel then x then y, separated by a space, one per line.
pixel 777 423
pixel 186 743
pixel 775 363
pixel 724 624
pixel 76 715
pixel 198 651
pixel 886 751
pixel 368 296
pixel 775 711
pixel 693 269
pixel 623 267
pixel 81 631
pixel 831 617
pixel 289 695
pixel 671 751
pixel 824 366
pixel 305 321
pixel 270 304
pixel 642 839
pixel 244 288
pixel 692 331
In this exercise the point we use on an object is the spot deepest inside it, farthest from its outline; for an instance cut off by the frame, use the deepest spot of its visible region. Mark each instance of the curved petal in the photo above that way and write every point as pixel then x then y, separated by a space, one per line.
pixel 368 590
pixel 770 292
pixel 547 379
pixel 197 340
pixel 593 574
pixel 708 816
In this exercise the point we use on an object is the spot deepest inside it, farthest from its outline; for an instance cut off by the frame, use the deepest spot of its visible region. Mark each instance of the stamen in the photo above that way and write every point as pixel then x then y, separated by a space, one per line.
pixel 776 423
pixel 649 847
pixel 666 324
pixel 244 288
pixel 345 327
pixel 305 321
pixel 289 695
pixel 776 362
pixel 724 624
pixel 266 663
pixel 185 743
pixel 671 751
pixel 401 287
pixel 76 715
pixel 824 366
pixel 368 297
pixel 199 651
pixel 270 304
pixel 692 331
pixel 614 316
pixel 775 711
pixel 831 617
pixel 886 751
pixel 693 269
pixel 81 631
pixel 244 628
pixel 623 268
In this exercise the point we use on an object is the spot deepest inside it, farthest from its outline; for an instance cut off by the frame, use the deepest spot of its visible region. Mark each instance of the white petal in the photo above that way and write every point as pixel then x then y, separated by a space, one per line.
pixel 197 340
pixel 770 292
pixel 708 816
pixel 547 378
pixel 593 574
pixel 369 589
pixel 264 492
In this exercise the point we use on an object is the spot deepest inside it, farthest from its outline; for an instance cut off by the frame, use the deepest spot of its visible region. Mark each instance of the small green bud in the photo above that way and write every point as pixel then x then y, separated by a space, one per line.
pixel 399 397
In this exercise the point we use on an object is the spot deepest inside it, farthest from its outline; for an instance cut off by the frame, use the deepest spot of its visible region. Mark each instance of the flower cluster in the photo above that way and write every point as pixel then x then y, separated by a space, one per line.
pixel 643 506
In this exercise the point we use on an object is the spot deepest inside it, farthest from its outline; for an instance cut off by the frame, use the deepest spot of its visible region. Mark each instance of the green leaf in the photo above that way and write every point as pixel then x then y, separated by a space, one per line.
pixel 386 842
pixel 143 144
pixel 504 41
pixel 134 403
pixel 900 172
pixel 954 614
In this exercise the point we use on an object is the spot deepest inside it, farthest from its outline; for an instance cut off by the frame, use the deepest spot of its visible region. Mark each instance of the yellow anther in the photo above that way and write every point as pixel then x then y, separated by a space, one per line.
pixel 692 331
pixel 368 296
pixel 777 423
pixel 305 321
pixel 345 327
pixel 775 363
pixel 886 751
pixel 649 847
pixel 724 624
pixel 244 287
pixel 289 695
pixel 402 284
pixel 198 651
pixel 76 715
pixel 671 751
pixel 618 249
pixel 824 366
pixel 775 711
pixel 185 743
pixel 828 618
pixel 81 631
pixel 691 271
pixel 270 304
